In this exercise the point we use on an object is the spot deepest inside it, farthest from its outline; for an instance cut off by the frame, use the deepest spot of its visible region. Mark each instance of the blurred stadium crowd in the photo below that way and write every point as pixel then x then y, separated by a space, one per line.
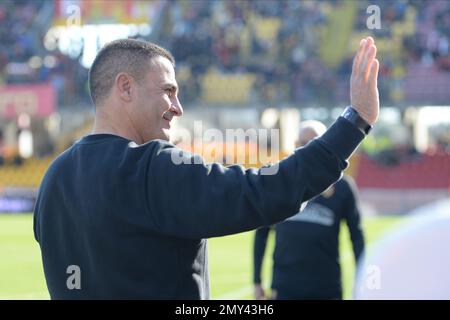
pixel 23 57
pixel 253 54
pixel 269 51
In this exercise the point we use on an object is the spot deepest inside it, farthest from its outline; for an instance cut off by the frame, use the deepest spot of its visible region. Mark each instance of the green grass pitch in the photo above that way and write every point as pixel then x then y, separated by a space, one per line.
pixel 230 260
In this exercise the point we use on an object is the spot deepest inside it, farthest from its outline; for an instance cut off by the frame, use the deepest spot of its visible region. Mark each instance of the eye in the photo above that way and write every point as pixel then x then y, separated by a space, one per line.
pixel 169 92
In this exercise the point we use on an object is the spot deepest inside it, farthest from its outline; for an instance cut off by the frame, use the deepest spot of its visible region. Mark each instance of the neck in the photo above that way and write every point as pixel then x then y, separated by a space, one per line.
pixel 121 126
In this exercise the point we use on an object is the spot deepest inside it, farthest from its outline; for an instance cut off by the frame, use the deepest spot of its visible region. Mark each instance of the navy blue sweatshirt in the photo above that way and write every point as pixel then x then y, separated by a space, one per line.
pixel 134 222
pixel 306 255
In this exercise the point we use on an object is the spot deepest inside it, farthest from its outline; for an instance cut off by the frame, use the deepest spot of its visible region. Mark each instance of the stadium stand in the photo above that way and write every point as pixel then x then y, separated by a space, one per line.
pixel 256 54
pixel 28 175
pixel 248 36
pixel 422 172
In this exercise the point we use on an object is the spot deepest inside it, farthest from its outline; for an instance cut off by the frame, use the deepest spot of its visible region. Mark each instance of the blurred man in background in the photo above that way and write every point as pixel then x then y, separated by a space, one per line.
pixel 306 258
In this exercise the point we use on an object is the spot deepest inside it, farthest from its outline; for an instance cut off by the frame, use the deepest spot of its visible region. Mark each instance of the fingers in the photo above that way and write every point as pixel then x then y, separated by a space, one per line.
pixel 373 75
pixel 368 62
pixel 364 57
pixel 363 81
pixel 358 55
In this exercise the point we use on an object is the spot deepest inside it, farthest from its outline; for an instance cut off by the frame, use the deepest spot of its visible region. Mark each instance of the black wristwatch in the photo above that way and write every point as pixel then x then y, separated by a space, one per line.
pixel 353 116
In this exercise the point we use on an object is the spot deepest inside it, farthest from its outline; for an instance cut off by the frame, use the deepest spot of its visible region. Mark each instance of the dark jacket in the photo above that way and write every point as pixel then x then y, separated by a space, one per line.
pixel 135 223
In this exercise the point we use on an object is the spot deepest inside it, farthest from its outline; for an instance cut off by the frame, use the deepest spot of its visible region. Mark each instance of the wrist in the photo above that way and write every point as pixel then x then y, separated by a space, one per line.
pixel 351 115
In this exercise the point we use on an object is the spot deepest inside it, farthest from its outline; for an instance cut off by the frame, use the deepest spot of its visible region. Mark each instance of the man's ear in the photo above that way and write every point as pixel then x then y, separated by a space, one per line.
pixel 123 84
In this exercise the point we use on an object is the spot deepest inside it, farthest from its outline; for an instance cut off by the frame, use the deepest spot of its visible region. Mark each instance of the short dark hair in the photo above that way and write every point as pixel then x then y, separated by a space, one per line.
pixel 124 55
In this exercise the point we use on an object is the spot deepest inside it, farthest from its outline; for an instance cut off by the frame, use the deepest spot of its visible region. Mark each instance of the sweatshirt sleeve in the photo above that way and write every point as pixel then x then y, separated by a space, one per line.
pixel 259 248
pixel 191 199
pixel 353 218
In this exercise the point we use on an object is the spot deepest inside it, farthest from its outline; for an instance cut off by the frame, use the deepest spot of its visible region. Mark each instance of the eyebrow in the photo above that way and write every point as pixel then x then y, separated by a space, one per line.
pixel 170 86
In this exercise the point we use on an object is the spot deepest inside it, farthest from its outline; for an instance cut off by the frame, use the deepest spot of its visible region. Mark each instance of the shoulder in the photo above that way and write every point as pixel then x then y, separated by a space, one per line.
pixel 60 162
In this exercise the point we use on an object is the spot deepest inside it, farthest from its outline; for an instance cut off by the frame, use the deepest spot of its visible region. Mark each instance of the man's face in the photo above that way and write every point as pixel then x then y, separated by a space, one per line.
pixel 157 101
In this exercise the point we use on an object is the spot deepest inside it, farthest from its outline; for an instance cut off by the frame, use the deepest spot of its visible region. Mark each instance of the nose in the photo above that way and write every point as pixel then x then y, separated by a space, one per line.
pixel 177 108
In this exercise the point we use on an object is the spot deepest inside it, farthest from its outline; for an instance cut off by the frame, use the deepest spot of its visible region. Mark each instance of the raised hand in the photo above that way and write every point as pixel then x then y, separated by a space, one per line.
pixel 363 82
